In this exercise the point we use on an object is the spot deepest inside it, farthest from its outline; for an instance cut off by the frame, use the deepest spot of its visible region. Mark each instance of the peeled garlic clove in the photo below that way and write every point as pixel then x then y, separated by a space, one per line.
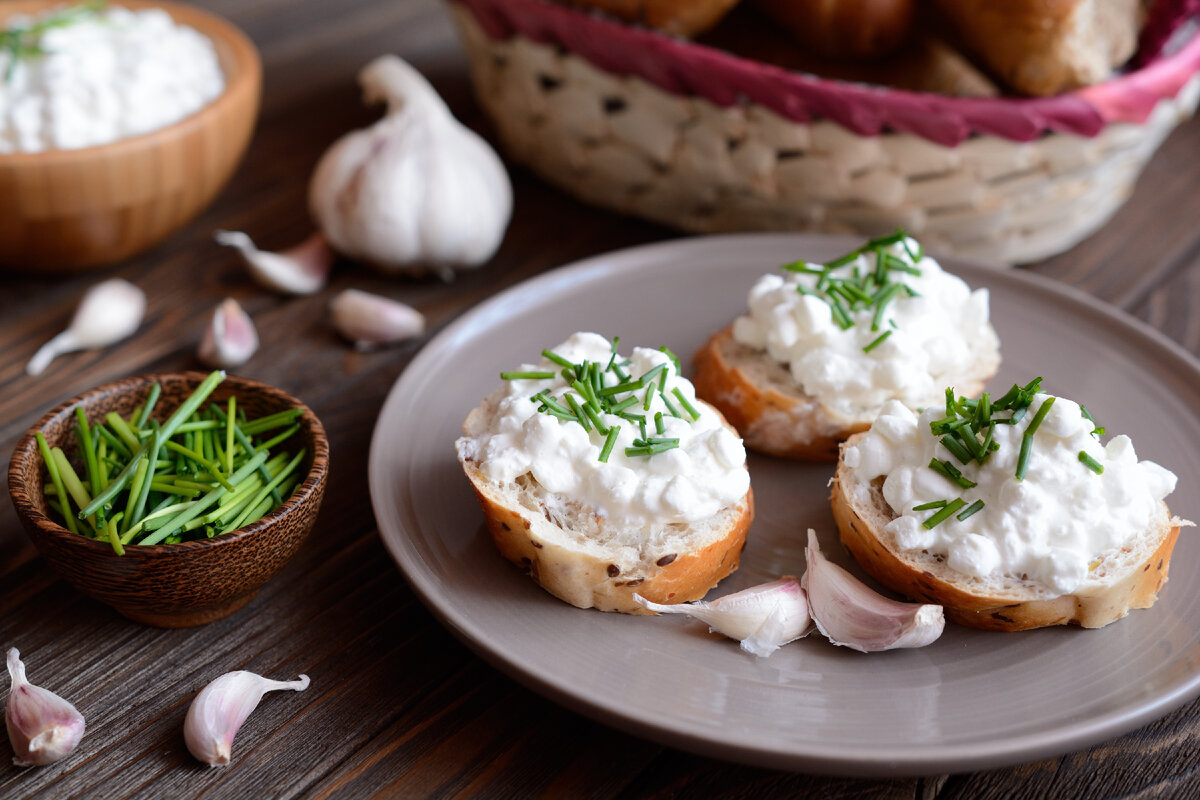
pixel 109 312
pixel 230 338
pixel 42 727
pixel 370 320
pixel 303 269
pixel 416 191
pixel 851 614
pixel 763 618
pixel 220 709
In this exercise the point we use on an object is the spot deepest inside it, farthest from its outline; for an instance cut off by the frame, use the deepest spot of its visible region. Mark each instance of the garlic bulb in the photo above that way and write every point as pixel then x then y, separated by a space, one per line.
pixel 303 269
pixel 370 320
pixel 42 727
pixel 230 338
pixel 763 618
pixel 109 311
pixel 415 191
pixel 220 709
pixel 851 614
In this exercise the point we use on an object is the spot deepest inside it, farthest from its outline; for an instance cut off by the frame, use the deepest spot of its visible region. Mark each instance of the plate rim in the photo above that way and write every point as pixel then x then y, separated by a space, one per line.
pixel 963 758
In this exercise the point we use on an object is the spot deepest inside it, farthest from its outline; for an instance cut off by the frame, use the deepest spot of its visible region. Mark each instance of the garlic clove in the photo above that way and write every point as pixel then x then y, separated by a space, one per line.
pixel 220 709
pixel 42 727
pixel 415 192
pixel 851 614
pixel 109 311
pixel 230 338
pixel 370 320
pixel 303 269
pixel 763 618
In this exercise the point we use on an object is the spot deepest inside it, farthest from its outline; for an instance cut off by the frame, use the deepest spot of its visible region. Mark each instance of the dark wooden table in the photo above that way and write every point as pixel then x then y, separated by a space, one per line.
pixel 399 707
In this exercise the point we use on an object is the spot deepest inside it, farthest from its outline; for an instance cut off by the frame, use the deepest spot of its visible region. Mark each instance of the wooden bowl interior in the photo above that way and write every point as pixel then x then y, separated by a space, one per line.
pixel 72 210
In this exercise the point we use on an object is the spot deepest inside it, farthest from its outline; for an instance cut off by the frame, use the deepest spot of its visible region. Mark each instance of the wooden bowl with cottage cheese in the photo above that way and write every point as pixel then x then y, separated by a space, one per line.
pixel 73 203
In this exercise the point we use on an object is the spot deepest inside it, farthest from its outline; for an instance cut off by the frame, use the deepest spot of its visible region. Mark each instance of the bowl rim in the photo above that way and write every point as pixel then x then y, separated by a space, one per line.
pixel 241 67
pixel 26 450
pixel 692 69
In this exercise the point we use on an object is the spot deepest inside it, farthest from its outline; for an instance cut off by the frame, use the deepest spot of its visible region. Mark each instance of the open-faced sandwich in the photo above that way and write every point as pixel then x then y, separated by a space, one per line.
pixel 603 476
pixel 824 347
pixel 1009 512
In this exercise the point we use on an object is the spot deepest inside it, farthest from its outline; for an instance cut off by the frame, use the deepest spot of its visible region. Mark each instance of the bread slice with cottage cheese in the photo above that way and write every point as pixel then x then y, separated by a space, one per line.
pixel 1128 578
pixel 575 555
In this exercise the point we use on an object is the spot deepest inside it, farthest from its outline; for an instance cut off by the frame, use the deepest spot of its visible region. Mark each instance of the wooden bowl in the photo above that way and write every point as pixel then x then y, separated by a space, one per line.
pixel 75 210
pixel 171 585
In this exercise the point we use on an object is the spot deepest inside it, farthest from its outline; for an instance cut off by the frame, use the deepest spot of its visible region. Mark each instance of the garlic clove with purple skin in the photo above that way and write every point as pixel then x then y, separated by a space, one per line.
pixel 303 269
pixel 371 321
pixel 230 338
pixel 42 727
pixel 763 618
pixel 109 312
pixel 214 717
pixel 851 614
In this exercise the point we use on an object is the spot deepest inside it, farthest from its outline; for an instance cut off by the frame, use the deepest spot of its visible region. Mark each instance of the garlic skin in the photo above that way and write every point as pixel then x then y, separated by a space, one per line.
pixel 42 727
pixel 370 320
pixel 303 269
pixel 763 618
pixel 851 614
pixel 220 709
pixel 230 338
pixel 417 190
pixel 109 311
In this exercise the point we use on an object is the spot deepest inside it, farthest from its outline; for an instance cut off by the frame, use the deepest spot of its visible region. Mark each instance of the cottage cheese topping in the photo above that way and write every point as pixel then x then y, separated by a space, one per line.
pixel 936 337
pixel 1049 527
pixel 104 76
pixel 693 481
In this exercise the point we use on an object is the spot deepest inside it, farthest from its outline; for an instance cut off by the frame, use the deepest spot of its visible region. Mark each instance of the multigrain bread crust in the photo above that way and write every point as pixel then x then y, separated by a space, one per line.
pixel 1124 581
pixel 759 397
pixel 548 537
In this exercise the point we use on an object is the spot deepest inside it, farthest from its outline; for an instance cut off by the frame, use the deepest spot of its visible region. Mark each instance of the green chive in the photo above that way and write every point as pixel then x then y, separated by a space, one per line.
pixel 1091 463
pixel 930 506
pixel 974 508
pixel 687 406
pixel 56 480
pixel 609 442
pixel 526 376
pixel 877 341
pixel 944 514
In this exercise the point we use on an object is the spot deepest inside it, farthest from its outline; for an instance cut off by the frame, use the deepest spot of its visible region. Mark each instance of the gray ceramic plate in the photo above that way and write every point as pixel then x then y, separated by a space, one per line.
pixel 969 701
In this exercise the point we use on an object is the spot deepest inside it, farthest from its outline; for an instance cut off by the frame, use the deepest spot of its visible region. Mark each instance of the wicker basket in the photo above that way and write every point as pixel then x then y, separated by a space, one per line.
pixel 698 139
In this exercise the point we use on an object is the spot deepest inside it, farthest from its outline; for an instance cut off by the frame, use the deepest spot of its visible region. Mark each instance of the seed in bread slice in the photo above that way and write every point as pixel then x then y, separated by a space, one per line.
pixel 585 560
pixel 1128 579
pixel 772 412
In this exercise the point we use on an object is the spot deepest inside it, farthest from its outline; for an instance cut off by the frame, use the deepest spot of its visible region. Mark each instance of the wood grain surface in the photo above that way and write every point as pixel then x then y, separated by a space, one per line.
pixel 398 707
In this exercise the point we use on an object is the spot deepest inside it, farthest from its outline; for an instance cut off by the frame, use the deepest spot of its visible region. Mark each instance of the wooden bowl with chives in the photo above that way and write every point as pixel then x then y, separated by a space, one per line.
pixel 208 531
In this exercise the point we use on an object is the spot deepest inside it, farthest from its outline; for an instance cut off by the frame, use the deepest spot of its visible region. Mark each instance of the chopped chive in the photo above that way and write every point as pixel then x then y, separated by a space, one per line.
pixel 878 340
pixel 609 442
pixel 628 386
pixel 931 505
pixel 56 481
pixel 674 359
pixel 557 359
pixel 951 473
pixel 687 406
pixel 278 438
pixel 974 508
pixel 1091 463
pixel 658 422
pixel 956 449
pixel 580 417
pixel 526 376
pixel 143 416
pixel 941 516
pixel 1027 438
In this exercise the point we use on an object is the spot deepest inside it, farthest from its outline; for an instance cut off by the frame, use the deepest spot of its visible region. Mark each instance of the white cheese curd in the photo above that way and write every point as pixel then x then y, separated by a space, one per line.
pixel 104 76
pixel 936 330
pixel 1049 527
pixel 691 482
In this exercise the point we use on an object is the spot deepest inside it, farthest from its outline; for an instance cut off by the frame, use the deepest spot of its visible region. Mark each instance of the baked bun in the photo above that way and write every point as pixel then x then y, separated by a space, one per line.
pixel 595 523
pixel 761 396
pixel 844 28
pixel 678 17
pixel 1044 47
pixel 1127 579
